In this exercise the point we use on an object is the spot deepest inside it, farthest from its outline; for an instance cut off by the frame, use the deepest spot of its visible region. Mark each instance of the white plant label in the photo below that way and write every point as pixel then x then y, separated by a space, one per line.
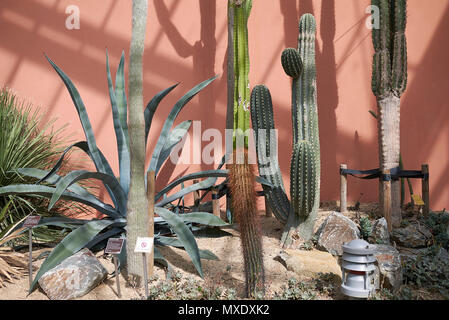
pixel 144 244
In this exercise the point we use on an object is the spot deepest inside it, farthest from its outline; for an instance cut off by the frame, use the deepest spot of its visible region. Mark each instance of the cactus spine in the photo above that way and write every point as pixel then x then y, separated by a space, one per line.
pixel 241 173
pixel 301 212
pixel 389 80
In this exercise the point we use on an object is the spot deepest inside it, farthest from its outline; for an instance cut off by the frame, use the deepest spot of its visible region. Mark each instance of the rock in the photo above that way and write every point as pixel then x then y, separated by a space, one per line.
pixel 335 231
pixel 73 277
pixel 388 262
pixel 414 235
pixel 309 263
pixel 379 232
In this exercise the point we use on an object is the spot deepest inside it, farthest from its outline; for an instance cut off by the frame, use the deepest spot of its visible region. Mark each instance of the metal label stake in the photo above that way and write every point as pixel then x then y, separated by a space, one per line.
pixel 30 222
pixel 144 245
pixel 114 247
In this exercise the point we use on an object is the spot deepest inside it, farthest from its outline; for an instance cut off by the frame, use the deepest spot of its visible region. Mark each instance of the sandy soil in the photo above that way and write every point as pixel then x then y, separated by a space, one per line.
pixel 228 271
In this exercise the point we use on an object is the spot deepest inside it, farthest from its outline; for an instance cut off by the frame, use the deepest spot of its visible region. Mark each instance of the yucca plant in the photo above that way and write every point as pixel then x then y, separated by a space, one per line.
pixel 26 141
pixel 94 233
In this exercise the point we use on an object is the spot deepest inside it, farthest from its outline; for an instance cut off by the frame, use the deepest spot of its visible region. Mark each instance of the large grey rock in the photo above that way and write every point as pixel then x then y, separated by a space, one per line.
pixel 414 235
pixel 73 277
pixel 309 263
pixel 335 231
pixel 379 232
pixel 388 262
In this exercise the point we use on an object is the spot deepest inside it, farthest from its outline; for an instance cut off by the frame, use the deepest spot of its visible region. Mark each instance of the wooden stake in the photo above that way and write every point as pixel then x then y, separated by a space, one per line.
pixel 150 195
pixel 215 202
pixel 343 190
pixel 196 197
pixel 117 280
pixel 145 273
pixel 425 189
pixel 268 212
pixel 386 187
pixel 30 248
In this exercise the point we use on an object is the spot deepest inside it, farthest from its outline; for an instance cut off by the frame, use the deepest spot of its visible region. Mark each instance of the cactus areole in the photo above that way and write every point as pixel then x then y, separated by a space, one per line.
pixel 389 80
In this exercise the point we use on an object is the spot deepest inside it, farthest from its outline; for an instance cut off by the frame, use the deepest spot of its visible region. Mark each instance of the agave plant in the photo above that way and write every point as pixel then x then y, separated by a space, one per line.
pixel 94 233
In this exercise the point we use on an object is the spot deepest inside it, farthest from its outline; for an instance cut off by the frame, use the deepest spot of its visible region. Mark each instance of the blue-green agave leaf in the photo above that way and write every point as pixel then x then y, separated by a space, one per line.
pixel 122 146
pixel 192 176
pixel 205 218
pixel 78 175
pixel 120 95
pixel 171 118
pixel 174 242
pixel 46 191
pixel 152 106
pixel 101 165
pixel 184 235
pixel 175 137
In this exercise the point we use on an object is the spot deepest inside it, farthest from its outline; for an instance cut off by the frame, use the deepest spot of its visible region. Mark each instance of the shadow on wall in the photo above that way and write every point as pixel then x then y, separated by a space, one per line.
pixel 425 114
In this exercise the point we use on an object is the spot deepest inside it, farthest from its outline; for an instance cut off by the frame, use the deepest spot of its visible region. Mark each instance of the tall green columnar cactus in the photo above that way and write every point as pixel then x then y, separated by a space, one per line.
pixel 299 214
pixel 241 175
pixel 242 10
pixel 389 80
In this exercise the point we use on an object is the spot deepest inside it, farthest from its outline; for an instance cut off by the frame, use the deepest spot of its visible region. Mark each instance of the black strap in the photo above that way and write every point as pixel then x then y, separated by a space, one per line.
pixel 395 174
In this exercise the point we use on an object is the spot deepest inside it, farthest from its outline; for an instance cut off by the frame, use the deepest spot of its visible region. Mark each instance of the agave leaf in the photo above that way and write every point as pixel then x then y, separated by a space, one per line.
pixel 171 118
pixel 103 236
pixel 71 244
pixel 184 235
pixel 120 94
pixel 78 175
pixel 83 145
pixel 158 257
pixel 152 106
pixel 175 137
pixel 122 147
pixel 54 179
pixel 27 189
pixel 205 184
pixel 174 242
pixel 100 164
pixel 192 176
pixel 203 218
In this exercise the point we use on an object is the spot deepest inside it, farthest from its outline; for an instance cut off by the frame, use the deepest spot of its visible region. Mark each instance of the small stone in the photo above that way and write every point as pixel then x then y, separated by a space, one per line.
pixel 388 262
pixel 336 231
pixel 379 232
pixel 308 263
pixel 414 235
pixel 74 277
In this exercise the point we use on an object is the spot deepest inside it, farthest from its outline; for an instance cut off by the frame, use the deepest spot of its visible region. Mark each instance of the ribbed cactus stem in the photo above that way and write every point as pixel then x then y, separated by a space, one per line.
pixel 266 145
pixel 389 81
pixel 242 10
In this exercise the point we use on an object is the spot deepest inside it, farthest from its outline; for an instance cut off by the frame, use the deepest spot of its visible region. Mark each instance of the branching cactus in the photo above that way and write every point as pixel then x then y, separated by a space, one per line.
pixel 300 213
pixel 389 80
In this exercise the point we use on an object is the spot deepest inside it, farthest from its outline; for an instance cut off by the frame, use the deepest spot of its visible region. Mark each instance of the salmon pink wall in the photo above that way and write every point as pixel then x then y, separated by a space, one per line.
pixel 186 42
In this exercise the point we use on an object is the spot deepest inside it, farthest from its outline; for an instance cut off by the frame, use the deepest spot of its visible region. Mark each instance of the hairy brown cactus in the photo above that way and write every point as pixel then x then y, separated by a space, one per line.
pixel 244 206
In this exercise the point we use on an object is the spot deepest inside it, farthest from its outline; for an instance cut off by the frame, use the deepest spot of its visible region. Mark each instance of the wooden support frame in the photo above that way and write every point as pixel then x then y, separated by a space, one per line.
pixel 343 189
